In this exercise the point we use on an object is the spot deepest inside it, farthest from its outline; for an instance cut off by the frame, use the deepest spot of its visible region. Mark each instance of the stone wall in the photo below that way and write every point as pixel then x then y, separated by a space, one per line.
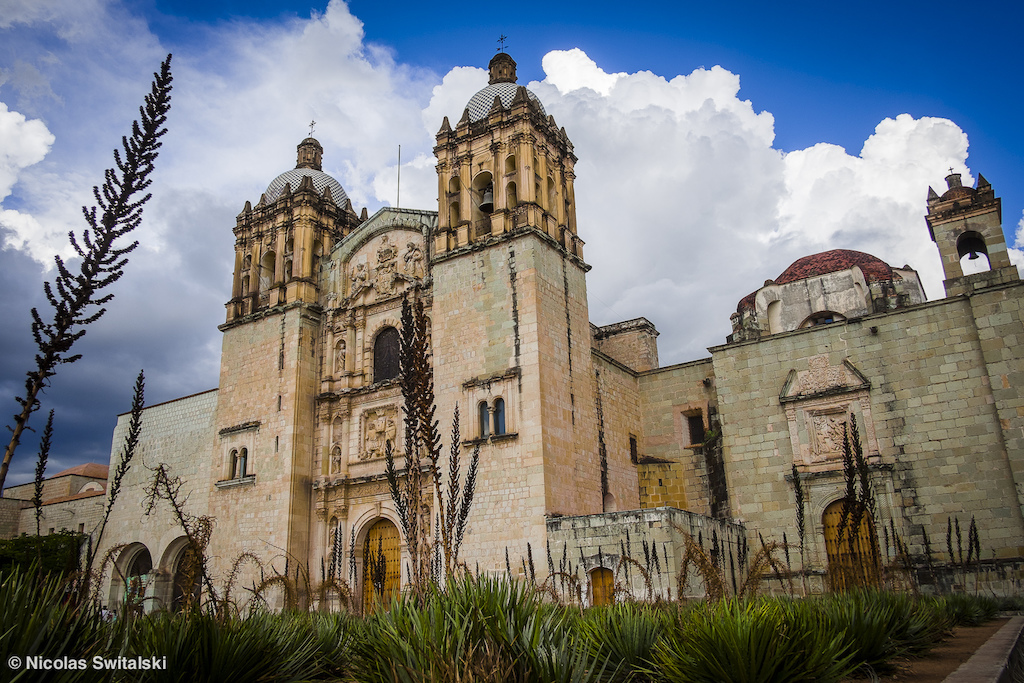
pixel 619 422
pixel 178 434
pixel 593 541
pixel 10 517
pixel 669 397
pixel 924 401
pixel 634 343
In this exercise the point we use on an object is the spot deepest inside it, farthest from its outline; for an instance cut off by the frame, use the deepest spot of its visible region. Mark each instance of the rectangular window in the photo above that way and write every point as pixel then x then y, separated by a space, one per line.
pixel 634 451
pixel 696 428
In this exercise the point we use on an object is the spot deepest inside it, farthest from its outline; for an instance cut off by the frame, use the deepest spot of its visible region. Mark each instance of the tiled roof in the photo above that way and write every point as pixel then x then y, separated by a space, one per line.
pixel 321 181
pixel 480 104
pixel 90 469
pixel 874 269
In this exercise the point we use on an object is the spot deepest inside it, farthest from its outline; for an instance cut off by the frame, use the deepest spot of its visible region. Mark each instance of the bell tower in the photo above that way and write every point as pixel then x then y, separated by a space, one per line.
pixel 967 222
pixel 280 241
pixel 511 329
pixel 505 166
pixel 272 351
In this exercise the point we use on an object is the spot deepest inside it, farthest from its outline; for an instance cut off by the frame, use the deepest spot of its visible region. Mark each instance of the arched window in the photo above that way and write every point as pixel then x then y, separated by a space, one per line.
pixel 484 419
pixel 454 213
pixel 267 265
pixel 602 586
pixel 385 354
pixel 822 318
pixel 511 197
pixel 318 255
pixel 239 463
pixel 499 416
pixel 510 163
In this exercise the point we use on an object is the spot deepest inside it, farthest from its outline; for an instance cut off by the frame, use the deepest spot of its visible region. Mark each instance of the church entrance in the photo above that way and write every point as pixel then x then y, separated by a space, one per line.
pixel 382 569
pixel 852 553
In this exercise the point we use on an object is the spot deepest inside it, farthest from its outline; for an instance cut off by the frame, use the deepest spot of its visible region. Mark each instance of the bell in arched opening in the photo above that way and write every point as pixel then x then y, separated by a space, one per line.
pixel 487 203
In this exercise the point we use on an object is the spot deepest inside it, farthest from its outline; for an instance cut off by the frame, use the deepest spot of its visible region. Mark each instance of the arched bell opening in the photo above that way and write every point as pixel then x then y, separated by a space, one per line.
pixel 973 253
pixel 483 194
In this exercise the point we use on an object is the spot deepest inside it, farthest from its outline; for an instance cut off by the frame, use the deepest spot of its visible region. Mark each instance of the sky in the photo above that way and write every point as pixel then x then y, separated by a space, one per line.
pixel 717 143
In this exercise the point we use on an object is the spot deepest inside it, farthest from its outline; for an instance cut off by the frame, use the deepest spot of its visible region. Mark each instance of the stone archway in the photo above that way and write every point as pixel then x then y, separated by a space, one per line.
pixel 133 577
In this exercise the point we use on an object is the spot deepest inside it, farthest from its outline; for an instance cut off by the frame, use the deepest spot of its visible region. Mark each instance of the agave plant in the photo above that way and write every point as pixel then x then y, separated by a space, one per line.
pixel 753 641
pixel 624 635
pixel 42 619
pixel 199 647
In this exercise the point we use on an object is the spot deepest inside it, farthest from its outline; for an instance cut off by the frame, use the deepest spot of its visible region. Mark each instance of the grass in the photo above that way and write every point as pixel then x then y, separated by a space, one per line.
pixel 480 629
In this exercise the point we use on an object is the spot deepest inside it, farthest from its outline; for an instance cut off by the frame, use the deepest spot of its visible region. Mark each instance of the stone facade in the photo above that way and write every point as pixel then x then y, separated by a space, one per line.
pixel 582 436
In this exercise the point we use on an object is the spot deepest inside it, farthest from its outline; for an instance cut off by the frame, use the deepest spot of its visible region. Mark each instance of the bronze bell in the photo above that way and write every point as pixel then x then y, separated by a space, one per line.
pixel 973 256
pixel 487 204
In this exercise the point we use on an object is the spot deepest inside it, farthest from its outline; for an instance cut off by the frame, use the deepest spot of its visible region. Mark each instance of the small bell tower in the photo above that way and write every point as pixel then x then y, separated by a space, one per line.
pixel 967 222
pixel 505 166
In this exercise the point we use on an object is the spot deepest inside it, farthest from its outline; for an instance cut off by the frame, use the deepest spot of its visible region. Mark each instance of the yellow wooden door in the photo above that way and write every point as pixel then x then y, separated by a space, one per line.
pixel 602 586
pixel 850 564
pixel 382 569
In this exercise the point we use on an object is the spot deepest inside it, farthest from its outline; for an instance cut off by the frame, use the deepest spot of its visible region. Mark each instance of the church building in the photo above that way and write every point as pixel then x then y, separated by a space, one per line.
pixel 589 449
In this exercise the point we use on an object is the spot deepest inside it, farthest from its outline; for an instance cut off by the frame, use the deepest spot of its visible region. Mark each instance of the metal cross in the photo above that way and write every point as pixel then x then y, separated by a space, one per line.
pixel 951 170
pixel 501 42
pixel 311 124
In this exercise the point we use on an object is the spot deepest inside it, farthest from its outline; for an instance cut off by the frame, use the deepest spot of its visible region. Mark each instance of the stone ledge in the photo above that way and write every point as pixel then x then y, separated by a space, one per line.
pixel 992 662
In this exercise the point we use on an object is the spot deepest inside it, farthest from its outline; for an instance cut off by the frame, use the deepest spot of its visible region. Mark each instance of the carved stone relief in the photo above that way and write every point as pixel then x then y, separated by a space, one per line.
pixel 380 427
pixel 413 258
pixel 819 401
pixel 828 429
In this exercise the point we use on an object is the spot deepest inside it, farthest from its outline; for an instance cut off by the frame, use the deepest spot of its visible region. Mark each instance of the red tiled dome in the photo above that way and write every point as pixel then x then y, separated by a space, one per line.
pixel 874 269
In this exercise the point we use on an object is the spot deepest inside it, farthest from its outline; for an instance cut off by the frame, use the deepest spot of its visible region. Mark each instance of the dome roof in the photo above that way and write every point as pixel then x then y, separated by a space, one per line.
pixel 321 181
pixel 480 104
pixel 874 269
pixel 958 192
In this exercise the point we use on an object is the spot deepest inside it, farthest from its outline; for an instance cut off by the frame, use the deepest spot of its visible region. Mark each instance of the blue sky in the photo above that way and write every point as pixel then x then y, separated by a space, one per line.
pixel 717 144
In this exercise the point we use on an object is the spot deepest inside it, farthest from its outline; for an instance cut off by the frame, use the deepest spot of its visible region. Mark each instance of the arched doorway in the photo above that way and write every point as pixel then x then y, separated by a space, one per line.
pixel 602 586
pixel 382 568
pixel 131 583
pixel 186 584
pixel 851 546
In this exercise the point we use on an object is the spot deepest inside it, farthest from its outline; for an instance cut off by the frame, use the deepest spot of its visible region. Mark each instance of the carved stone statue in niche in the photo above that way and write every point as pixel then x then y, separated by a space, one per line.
pixel 339 356
pixel 413 260
pixel 380 429
pixel 336 460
